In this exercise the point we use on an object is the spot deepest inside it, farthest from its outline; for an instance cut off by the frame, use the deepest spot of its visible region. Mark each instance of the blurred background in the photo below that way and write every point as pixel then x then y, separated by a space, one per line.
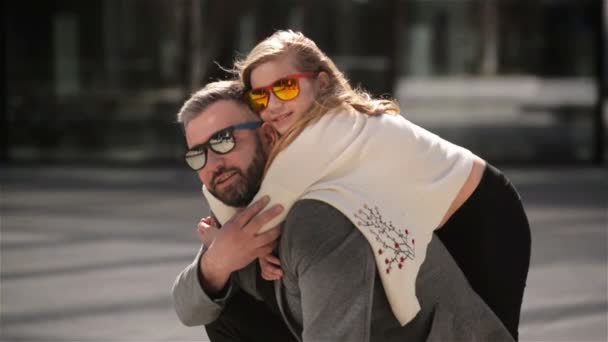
pixel 517 81
pixel 99 210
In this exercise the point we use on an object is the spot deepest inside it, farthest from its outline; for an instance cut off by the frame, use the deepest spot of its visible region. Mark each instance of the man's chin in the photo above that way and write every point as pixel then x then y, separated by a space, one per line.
pixel 232 196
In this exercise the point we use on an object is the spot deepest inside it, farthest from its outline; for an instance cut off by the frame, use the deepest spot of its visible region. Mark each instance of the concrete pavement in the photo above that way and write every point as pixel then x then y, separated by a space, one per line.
pixel 89 254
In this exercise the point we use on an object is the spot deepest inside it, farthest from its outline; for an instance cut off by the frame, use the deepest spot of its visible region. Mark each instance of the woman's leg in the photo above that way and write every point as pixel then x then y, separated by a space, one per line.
pixel 489 238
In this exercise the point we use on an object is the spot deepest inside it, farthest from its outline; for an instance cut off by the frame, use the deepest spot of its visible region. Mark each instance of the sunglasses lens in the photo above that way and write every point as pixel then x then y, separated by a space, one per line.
pixel 196 159
pixel 286 89
pixel 222 142
pixel 258 99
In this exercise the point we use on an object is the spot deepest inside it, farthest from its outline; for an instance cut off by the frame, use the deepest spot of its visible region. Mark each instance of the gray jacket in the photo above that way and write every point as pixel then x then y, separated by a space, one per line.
pixel 331 290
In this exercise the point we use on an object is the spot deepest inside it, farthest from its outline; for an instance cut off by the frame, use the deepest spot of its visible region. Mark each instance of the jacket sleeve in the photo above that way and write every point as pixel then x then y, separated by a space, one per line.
pixel 330 264
pixel 192 304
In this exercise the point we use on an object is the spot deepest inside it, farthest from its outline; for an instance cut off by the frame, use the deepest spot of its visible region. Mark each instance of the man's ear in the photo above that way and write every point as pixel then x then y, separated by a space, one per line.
pixel 270 135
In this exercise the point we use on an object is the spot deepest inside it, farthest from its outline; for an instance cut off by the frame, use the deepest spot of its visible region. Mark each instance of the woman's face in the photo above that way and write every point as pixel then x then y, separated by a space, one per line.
pixel 282 114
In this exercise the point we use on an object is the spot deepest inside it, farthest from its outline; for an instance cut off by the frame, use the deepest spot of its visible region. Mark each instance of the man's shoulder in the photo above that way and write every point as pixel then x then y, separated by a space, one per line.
pixel 313 218
pixel 313 229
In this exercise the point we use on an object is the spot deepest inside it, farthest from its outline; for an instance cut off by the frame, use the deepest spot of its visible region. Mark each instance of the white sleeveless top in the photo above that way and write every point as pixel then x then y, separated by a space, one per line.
pixel 394 180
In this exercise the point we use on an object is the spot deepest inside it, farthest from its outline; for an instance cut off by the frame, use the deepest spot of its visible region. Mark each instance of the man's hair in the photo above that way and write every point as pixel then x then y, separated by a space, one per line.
pixel 230 90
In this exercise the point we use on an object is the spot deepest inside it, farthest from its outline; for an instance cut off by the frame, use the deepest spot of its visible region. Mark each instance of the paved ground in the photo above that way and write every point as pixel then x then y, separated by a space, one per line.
pixel 90 254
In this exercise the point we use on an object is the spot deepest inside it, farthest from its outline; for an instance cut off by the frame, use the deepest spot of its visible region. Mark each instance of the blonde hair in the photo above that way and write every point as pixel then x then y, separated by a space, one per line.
pixel 307 57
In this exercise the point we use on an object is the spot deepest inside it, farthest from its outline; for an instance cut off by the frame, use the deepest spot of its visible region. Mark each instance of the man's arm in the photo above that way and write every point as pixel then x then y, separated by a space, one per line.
pixel 235 246
pixel 192 304
pixel 329 262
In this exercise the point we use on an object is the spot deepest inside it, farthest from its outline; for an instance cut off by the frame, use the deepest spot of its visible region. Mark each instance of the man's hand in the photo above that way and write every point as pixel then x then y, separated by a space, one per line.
pixel 236 245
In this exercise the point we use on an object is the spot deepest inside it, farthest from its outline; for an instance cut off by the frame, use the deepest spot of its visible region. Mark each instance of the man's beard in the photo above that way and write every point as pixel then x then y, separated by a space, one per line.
pixel 241 192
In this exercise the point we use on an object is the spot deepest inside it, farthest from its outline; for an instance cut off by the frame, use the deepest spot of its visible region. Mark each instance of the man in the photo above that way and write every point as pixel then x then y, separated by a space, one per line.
pixel 330 290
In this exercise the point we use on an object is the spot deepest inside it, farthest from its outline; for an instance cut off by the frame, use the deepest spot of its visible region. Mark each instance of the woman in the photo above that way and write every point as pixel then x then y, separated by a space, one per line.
pixel 478 214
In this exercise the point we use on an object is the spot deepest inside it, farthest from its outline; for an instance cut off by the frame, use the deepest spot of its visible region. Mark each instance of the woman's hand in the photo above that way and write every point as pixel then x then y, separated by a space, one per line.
pixel 206 230
pixel 270 267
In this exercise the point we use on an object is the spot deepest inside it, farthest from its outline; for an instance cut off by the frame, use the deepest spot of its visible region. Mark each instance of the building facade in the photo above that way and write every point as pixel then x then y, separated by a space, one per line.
pixel 101 80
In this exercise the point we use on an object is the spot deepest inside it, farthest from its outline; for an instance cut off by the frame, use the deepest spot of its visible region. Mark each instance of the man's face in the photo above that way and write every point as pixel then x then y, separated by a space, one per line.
pixel 235 177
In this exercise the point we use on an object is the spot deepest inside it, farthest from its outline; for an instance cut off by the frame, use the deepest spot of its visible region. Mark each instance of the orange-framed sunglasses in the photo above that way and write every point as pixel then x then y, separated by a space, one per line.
pixel 285 89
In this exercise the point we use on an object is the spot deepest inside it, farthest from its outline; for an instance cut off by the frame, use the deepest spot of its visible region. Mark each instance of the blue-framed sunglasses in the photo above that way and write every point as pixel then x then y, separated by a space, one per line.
pixel 221 142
